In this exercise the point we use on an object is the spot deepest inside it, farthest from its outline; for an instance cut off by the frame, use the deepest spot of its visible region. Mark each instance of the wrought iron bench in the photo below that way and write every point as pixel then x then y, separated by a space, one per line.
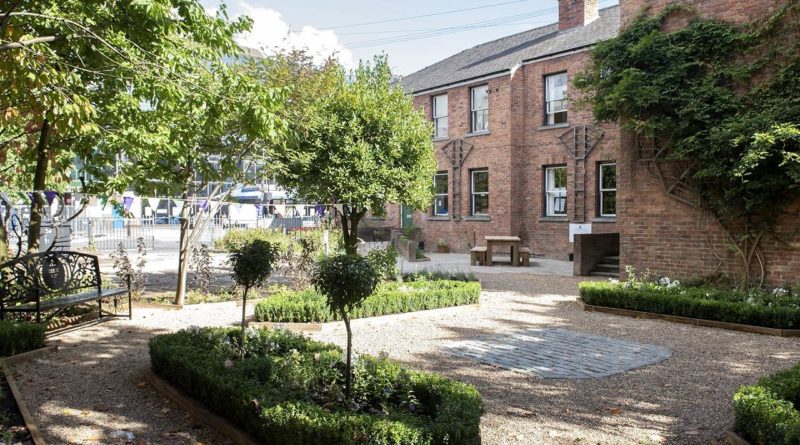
pixel 54 281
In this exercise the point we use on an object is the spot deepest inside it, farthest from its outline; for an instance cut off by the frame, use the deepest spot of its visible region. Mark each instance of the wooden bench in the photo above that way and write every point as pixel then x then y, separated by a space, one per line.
pixel 477 256
pixel 54 281
pixel 525 256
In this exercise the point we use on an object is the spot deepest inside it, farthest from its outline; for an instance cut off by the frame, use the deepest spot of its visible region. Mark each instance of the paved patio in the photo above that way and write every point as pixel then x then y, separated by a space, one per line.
pixel 460 262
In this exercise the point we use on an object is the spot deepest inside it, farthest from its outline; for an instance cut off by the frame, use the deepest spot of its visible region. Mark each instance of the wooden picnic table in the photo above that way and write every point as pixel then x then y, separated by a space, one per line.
pixel 512 241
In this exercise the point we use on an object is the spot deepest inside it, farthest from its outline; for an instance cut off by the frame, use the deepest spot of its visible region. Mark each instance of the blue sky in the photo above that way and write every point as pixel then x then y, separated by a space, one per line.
pixel 327 26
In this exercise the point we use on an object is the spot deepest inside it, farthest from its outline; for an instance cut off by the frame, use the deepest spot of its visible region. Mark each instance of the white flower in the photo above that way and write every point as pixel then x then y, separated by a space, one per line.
pixel 779 292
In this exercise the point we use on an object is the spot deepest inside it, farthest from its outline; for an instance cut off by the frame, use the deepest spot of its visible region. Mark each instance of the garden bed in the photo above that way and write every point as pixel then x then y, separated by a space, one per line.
pixel 288 390
pixel 12 425
pixel 766 413
pixel 779 312
pixel 308 306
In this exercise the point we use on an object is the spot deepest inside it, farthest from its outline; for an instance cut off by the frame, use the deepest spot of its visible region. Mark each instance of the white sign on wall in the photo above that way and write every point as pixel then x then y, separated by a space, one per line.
pixel 578 229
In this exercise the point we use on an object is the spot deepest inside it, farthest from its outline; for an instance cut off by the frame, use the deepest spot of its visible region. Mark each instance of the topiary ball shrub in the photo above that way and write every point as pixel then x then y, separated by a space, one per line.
pixel 346 281
pixel 251 265
pixel 18 337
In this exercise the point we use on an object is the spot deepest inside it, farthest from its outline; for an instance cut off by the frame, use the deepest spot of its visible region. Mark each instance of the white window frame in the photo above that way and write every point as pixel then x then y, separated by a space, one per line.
pixel 439 115
pixel 474 110
pixel 436 195
pixel 553 194
pixel 554 106
pixel 473 193
pixel 602 191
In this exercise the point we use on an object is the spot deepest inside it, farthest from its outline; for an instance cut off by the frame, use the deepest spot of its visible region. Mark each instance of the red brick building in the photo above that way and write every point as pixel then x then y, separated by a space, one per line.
pixel 517 157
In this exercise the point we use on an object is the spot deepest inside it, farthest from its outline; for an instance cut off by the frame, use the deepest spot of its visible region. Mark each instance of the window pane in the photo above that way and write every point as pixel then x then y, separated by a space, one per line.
pixel 560 177
pixel 441 127
pixel 480 98
pixel 609 203
pixel 556 87
pixel 440 184
pixel 480 204
pixel 480 120
pixel 440 106
pixel 559 204
pixel 440 205
pixel 609 176
pixel 480 182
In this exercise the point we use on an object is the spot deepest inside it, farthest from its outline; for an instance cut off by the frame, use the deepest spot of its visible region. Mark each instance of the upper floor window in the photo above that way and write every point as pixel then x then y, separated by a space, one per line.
pixel 607 189
pixel 479 104
pixel 479 180
pixel 440 194
pixel 555 99
pixel 555 191
pixel 440 116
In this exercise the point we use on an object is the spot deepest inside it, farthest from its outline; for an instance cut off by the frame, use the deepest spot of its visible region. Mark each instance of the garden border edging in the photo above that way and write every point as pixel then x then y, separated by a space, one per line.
pixel 692 321
pixel 27 417
pixel 735 439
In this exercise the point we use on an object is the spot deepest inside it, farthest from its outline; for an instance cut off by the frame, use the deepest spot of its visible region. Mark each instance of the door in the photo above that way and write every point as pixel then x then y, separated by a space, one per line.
pixel 406 217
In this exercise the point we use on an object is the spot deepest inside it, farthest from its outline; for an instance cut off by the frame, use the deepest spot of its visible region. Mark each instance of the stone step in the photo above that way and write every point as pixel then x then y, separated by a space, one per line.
pixel 604 274
pixel 607 267
pixel 611 259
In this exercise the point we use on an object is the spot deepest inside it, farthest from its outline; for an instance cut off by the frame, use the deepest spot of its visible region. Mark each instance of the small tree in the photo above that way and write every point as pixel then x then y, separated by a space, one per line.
pixel 346 281
pixel 252 265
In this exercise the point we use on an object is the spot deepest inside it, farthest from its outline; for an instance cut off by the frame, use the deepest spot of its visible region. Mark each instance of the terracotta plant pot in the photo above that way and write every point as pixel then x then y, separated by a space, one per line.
pixel 442 249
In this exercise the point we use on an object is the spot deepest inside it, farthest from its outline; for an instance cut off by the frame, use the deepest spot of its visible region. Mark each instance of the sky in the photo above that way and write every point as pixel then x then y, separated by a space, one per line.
pixel 348 28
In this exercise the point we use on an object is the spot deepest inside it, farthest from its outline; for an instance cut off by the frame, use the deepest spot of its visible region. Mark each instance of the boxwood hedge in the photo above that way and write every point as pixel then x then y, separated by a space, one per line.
pixel 308 306
pixel 781 312
pixel 287 390
pixel 19 337
pixel 766 413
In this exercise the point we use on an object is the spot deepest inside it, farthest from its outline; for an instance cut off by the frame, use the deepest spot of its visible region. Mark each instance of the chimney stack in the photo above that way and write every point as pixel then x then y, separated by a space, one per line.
pixel 574 13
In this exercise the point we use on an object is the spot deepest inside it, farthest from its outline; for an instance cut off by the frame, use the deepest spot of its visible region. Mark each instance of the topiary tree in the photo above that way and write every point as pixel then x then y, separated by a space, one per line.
pixel 251 265
pixel 346 281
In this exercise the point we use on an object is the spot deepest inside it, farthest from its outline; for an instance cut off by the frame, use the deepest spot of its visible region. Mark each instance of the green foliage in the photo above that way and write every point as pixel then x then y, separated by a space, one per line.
pixel 384 261
pixel 758 308
pixel 19 337
pixel 345 281
pixel 766 413
pixel 360 143
pixel 287 390
pixel 252 262
pixel 434 275
pixel 308 306
pixel 234 238
pixel 721 101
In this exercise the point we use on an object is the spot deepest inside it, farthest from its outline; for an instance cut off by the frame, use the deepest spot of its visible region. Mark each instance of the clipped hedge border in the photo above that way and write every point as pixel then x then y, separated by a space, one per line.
pixel 18 337
pixel 766 412
pixel 691 304
pixel 282 416
pixel 308 306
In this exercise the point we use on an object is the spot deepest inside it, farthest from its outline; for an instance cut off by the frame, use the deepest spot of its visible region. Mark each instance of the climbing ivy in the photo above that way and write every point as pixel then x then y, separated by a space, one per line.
pixel 720 100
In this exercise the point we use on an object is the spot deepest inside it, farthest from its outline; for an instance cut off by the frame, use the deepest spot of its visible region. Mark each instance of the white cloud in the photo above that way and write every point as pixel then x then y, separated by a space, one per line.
pixel 271 32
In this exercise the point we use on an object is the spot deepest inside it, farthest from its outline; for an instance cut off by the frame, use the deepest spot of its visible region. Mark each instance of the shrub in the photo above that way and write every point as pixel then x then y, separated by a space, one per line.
pixel 251 266
pixel 755 308
pixel 286 390
pixel 234 238
pixel 384 261
pixel 436 275
pixel 346 281
pixel 308 306
pixel 18 337
pixel 766 413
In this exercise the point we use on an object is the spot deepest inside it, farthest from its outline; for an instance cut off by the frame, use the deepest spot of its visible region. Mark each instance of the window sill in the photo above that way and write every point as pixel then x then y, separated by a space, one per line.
pixel 478 133
pixel 605 219
pixel 553 127
pixel 441 139
pixel 478 218
pixel 438 218
pixel 553 219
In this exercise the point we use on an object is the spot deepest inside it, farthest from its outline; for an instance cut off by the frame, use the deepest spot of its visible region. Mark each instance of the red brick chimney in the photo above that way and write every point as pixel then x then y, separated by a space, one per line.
pixel 573 13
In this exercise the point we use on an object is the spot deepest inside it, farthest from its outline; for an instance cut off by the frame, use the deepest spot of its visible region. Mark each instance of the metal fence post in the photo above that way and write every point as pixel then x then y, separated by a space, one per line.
pixel 90 232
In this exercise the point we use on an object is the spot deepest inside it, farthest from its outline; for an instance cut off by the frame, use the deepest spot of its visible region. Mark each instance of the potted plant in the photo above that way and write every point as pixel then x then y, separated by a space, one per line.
pixel 442 247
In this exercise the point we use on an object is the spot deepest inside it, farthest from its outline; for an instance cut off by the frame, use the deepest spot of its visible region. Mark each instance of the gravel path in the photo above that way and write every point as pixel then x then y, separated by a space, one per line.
pixel 91 387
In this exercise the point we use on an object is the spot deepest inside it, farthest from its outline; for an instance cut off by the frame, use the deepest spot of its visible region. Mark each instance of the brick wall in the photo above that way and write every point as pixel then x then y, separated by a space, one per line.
pixel 572 13
pixel 671 238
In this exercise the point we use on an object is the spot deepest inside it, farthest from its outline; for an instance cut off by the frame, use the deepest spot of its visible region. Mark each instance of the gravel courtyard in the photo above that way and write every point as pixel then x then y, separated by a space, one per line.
pixel 91 390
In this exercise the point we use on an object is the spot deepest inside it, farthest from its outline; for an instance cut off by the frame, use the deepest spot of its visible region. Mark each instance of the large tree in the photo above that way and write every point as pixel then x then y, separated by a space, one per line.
pixel 357 141
pixel 75 73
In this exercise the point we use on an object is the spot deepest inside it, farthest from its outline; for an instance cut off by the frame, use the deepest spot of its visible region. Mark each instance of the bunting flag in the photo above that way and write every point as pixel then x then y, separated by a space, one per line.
pixel 280 209
pixel 320 209
pixel 154 202
pixel 50 196
pixel 339 207
pixel 178 203
pixel 127 203
pixel 203 205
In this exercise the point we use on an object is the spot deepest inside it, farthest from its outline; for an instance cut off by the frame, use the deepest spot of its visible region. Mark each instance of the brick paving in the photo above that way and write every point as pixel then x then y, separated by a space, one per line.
pixel 559 353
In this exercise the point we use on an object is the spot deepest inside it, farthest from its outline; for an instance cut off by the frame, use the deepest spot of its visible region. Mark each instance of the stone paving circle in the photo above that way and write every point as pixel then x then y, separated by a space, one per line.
pixel 558 353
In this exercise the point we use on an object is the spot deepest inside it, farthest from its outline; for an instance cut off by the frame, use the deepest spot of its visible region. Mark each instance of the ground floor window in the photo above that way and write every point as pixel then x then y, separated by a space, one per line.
pixel 480 191
pixel 555 185
pixel 608 189
pixel 440 207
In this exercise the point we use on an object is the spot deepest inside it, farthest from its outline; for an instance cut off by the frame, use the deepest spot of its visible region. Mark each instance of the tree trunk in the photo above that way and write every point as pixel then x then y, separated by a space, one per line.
pixel 348 376
pixel 244 317
pixel 4 238
pixel 350 219
pixel 183 255
pixel 39 180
